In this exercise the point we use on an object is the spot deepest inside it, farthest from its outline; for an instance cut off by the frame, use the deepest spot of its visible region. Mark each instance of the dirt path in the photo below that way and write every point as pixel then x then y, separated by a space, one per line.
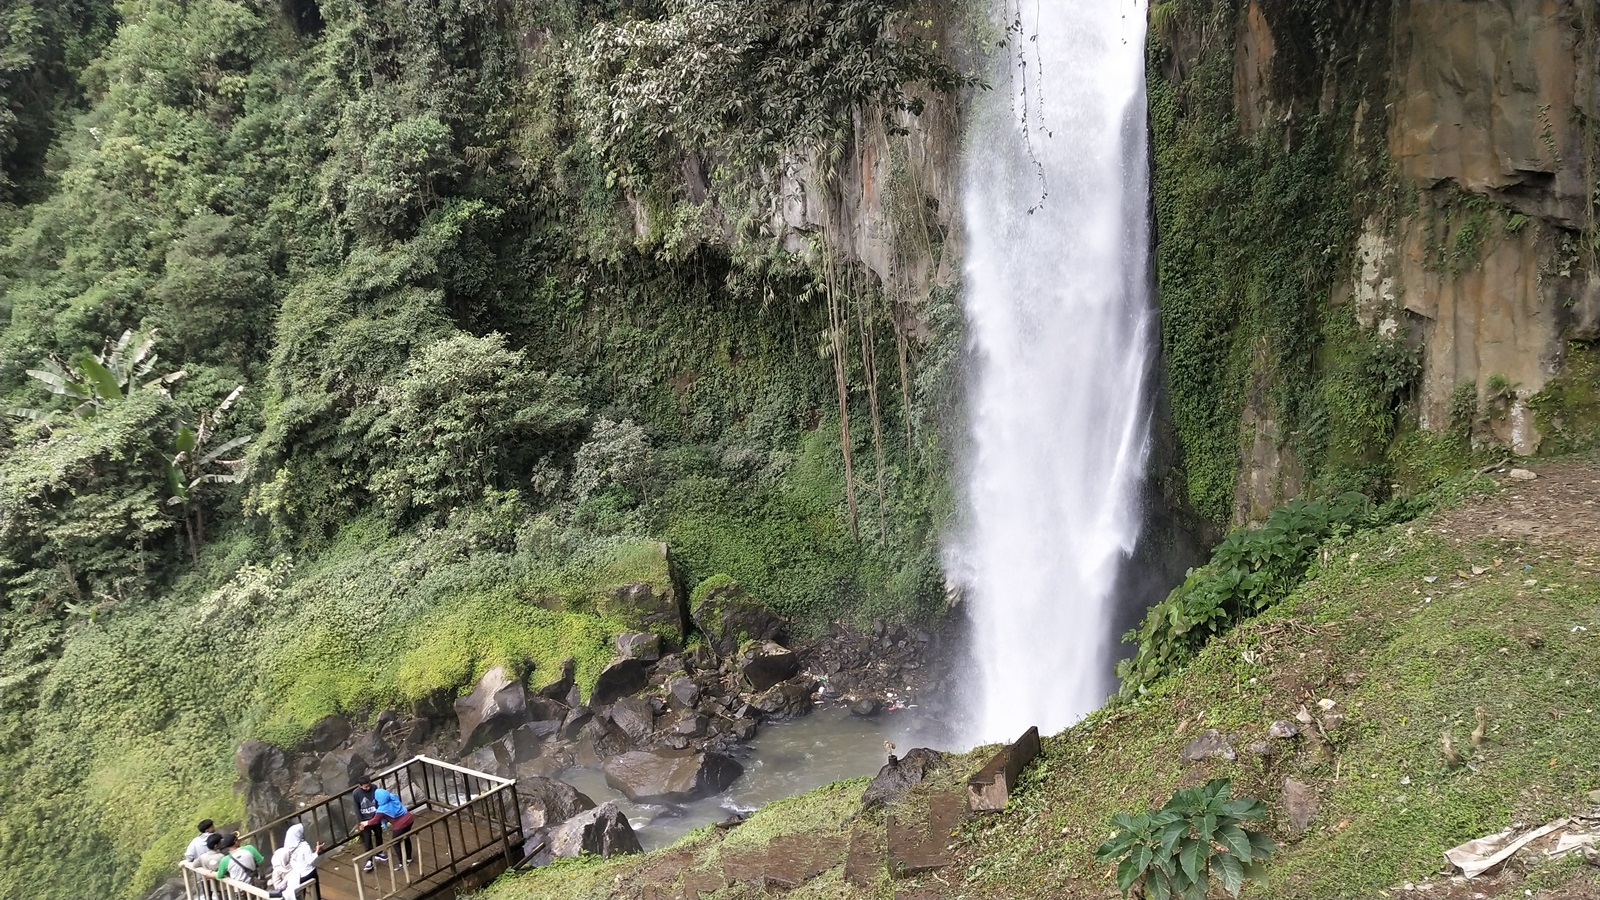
pixel 1559 508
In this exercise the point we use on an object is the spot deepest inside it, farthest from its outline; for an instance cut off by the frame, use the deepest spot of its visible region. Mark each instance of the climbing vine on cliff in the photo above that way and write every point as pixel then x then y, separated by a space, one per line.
pixel 1253 229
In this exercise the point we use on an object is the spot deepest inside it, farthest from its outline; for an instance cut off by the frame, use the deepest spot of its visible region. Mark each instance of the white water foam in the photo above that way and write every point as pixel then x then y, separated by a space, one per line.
pixel 1059 315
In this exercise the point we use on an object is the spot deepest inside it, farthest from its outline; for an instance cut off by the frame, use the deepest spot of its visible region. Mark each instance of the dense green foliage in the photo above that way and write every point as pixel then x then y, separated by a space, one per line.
pixel 1249 571
pixel 1197 836
pixel 456 358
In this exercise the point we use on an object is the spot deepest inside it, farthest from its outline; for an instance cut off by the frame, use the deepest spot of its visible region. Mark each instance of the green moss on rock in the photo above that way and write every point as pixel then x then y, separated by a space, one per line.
pixel 729 617
pixel 1567 411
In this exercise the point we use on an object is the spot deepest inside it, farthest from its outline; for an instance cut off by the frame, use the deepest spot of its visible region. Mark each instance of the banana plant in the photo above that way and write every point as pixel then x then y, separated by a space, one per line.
pixel 192 459
pixel 94 381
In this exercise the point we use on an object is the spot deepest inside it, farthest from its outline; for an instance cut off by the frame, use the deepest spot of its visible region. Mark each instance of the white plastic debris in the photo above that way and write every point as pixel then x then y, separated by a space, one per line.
pixel 1478 856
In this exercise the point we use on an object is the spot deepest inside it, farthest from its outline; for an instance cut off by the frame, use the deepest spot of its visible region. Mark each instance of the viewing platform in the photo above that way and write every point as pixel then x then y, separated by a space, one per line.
pixel 468 829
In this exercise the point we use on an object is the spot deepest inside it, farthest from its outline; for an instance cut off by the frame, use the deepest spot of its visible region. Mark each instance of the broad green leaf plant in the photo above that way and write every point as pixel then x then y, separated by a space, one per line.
pixel 1176 851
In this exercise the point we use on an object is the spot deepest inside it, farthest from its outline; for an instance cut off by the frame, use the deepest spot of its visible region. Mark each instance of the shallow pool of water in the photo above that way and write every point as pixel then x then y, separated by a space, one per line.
pixel 783 760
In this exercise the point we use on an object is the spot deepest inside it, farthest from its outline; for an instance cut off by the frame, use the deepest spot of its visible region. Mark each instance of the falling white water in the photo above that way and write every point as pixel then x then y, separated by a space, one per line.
pixel 1059 312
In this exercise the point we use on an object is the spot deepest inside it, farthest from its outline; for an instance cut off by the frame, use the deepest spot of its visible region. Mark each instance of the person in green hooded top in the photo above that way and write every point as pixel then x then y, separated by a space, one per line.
pixel 241 864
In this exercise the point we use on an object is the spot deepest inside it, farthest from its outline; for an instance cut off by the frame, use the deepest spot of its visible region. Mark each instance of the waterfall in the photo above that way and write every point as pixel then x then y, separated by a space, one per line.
pixel 1059 320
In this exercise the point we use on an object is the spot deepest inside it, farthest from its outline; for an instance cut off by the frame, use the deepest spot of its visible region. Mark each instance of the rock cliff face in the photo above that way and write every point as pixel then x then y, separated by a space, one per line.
pixel 1469 143
pixel 1492 102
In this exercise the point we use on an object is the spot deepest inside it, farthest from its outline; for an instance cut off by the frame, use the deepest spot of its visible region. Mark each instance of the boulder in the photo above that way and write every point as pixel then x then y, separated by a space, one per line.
pixel 786 700
pixel 541 708
pixel 728 616
pixel 265 803
pixel 541 730
pixel 327 734
pixel 546 801
pixel 558 689
pixel 1209 745
pixel 543 767
pixel 1283 729
pixel 669 665
pixel 649 604
pixel 700 658
pixel 640 645
pixel 498 704
pixel 374 749
pixel 602 831
pixel 633 717
pixel 898 776
pixel 598 741
pixel 620 679
pixel 578 717
pixel 692 724
pixel 490 758
pixel 416 734
pixel 683 693
pixel 257 761
pixel 766 663
pixel 670 776
pixel 339 770
pixel 866 707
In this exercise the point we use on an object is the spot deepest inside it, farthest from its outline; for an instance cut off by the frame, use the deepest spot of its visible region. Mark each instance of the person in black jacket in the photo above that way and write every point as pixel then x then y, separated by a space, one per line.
pixel 366 810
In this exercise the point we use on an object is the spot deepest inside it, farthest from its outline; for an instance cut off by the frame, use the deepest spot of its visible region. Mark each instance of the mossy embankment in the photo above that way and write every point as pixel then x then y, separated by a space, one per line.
pixel 138 719
pixel 1407 629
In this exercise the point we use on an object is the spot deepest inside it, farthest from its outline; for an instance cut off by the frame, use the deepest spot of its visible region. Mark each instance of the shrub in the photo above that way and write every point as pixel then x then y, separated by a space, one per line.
pixel 1176 850
pixel 1248 571
pixel 456 418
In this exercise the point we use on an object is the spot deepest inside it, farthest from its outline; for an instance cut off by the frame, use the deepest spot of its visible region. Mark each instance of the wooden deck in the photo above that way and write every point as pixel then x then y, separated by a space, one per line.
pixel 468 829
pixel 336 870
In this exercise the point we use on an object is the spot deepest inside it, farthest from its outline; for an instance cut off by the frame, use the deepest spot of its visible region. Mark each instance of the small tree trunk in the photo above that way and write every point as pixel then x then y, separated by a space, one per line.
pixel 189 527
pixel 869 368
pixel 839 337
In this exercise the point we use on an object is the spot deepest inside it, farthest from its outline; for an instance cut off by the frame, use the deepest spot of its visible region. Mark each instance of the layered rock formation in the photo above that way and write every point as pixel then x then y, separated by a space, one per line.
pixel 1467 170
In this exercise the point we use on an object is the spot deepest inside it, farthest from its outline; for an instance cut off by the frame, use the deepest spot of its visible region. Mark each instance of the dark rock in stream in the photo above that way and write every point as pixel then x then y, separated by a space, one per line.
pixel 786 700
pixel 602 831
pixel 670 776
pixel 633 717
pixel 622 678
pixel 866 707
pixel 764 664
pixel 546 801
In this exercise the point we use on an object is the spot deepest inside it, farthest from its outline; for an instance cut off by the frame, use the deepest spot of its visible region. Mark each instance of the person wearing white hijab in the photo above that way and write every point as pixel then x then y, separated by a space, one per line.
pixel 294 862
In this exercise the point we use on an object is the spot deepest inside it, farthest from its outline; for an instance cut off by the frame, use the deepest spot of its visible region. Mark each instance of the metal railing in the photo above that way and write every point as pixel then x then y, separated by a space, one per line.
pixel 203 884
pixel 474 813
pixel 484 816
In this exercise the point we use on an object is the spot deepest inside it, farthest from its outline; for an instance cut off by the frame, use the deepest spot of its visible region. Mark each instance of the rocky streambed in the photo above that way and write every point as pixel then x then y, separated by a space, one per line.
pixel 667 740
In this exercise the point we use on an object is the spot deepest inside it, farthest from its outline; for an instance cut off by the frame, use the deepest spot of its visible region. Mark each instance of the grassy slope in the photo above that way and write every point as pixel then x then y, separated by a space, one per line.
pixel 1360 631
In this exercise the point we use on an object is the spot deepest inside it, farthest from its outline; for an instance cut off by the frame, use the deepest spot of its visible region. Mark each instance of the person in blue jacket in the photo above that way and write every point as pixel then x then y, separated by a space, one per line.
pixel 392 813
